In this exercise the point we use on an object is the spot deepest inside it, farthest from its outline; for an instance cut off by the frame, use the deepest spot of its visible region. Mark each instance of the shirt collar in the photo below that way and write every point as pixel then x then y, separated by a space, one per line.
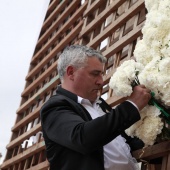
pixel 86 101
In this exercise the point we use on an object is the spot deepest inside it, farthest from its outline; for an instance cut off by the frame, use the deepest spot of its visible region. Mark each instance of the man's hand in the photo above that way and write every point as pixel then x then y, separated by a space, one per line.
pixel 140 96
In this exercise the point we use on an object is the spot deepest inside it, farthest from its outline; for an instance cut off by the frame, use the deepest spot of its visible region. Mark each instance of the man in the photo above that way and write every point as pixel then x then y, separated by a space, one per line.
pixel 81 131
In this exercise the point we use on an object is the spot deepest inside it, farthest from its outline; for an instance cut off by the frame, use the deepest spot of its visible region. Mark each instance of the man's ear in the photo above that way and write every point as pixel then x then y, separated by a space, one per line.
pixel 70 72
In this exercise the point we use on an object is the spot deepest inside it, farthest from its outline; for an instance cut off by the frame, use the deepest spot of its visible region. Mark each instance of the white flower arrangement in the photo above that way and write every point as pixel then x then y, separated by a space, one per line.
pixel 125 75
pixel 148 127
pixel 152 68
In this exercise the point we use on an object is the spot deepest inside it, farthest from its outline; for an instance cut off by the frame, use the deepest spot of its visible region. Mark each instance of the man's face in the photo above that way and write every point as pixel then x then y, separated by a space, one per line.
pixel 88 80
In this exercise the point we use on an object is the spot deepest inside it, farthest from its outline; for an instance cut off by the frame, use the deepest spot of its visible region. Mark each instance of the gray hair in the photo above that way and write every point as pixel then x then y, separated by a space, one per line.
pixel 77 56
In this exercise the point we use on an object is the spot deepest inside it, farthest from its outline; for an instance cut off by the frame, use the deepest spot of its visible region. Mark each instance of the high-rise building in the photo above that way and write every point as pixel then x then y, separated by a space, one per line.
pixel 112 26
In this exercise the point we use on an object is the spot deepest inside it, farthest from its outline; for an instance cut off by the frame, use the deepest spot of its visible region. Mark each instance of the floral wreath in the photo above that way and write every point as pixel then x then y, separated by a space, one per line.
pixel 151 67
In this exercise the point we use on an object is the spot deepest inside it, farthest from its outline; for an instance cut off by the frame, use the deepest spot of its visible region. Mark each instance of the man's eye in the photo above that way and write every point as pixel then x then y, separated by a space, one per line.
pixel 95 74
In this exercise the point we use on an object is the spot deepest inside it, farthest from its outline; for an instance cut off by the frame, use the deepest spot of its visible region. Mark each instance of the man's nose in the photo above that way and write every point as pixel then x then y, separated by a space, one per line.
pixel 100 80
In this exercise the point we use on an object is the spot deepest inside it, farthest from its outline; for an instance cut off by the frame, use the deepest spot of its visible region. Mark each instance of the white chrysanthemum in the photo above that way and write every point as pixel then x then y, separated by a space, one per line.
pixel 150 4
pixel 148 131
pixel 148 127
pixel 155 49
pixel 151 111
pixel 148 74
pixel 156 33
pixel 131 130
pixel 164 94
pixel 164 66
pixel 165 50
pixel 130 67
pixel 156 77
pixel 141 53
pixel 154 18
pixel 121 84
pixel 121 80
pixel 164 8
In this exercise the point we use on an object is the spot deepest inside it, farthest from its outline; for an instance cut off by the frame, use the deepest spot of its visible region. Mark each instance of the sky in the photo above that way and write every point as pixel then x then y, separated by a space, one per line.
pixel 20 25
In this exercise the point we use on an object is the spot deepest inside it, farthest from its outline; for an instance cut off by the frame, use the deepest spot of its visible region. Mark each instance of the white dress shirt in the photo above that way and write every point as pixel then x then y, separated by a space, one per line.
pixel 117 154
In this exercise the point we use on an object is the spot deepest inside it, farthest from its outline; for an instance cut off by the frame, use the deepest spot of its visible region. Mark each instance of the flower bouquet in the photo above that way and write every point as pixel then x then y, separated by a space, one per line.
pixel 151 67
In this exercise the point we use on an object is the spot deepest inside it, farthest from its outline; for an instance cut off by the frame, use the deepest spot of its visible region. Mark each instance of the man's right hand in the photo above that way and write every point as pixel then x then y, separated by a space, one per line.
pixel 140 96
